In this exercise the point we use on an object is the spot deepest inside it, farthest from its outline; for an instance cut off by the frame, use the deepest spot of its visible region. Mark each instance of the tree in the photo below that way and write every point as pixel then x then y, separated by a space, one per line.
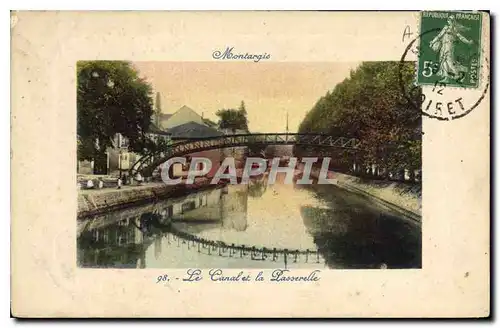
pixel 111 98
pixel 370 106
pixel 242 108
pixel 233 119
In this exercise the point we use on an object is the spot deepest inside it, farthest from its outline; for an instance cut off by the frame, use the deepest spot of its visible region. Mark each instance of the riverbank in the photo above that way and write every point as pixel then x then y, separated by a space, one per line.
pixel 93 202
pixel 403 198
pixel 98 201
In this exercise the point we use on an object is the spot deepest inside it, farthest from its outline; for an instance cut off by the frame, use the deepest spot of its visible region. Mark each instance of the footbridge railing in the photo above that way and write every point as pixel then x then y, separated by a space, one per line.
pixel 149 162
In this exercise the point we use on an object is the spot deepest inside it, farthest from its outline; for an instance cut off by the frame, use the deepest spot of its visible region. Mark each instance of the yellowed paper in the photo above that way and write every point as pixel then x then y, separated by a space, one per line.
pixel 176 52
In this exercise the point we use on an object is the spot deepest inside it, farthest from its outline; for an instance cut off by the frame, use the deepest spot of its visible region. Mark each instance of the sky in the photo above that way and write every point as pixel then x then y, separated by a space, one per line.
pixel 269 89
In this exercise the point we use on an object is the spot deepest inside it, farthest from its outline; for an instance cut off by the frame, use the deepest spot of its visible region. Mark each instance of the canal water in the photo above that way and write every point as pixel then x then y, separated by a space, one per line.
pixel 253 226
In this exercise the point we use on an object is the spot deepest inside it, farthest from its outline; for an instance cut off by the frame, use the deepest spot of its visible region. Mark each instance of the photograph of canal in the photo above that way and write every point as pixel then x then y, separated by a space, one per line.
pixel 311 165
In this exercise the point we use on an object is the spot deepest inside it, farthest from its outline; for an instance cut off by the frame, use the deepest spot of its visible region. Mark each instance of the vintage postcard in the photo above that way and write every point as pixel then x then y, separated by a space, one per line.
pixel 277 164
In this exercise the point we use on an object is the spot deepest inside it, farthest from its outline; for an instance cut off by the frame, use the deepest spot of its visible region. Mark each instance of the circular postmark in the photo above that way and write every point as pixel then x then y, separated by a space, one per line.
pixel 445 98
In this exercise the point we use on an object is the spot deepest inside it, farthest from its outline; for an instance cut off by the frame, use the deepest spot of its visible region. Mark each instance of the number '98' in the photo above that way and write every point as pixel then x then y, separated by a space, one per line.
pixel 162 278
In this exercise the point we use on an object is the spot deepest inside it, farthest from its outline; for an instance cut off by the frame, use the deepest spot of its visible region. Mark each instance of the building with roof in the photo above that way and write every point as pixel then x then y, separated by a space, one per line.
pixel 156 134
pixel 181 116
pixel 192 131
pixel 184 124
pixel 195 131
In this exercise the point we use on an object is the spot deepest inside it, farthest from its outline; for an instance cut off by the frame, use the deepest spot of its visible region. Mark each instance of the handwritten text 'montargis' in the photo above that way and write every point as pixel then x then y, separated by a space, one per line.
pixel 228 54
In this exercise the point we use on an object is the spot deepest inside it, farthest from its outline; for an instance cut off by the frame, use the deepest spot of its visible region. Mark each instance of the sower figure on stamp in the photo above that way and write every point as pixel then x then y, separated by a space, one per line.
pixel 443 44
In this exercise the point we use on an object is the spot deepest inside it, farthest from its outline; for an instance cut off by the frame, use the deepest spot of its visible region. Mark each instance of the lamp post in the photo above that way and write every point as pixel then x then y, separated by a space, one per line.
pixel 120 163
pixel 287 121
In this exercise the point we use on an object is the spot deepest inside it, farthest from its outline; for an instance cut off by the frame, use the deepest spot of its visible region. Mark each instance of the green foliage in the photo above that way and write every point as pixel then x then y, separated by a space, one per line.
pixel 111 98
pixel 150 146
pixel 242 108
pixel 370 105
pixel 233 119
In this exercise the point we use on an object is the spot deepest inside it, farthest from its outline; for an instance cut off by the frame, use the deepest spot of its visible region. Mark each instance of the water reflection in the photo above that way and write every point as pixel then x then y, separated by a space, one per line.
pixel 252 226
pixel 354 233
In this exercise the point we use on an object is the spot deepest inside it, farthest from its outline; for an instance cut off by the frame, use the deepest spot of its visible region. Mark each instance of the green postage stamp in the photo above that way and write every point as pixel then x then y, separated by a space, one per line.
pixel 450 48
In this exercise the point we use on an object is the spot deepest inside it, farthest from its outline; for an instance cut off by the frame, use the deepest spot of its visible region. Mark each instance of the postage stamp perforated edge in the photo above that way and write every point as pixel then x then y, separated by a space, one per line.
pixel 481 57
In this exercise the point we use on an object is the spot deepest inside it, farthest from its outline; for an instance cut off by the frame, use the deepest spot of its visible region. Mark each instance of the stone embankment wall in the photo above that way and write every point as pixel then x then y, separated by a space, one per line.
pixel 92 202
pixel 400 197
pixel 97 202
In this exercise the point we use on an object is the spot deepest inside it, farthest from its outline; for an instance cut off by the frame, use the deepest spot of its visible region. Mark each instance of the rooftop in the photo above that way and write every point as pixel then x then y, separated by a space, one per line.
pixel 164 116
pixel 156 130
pixel 193 130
